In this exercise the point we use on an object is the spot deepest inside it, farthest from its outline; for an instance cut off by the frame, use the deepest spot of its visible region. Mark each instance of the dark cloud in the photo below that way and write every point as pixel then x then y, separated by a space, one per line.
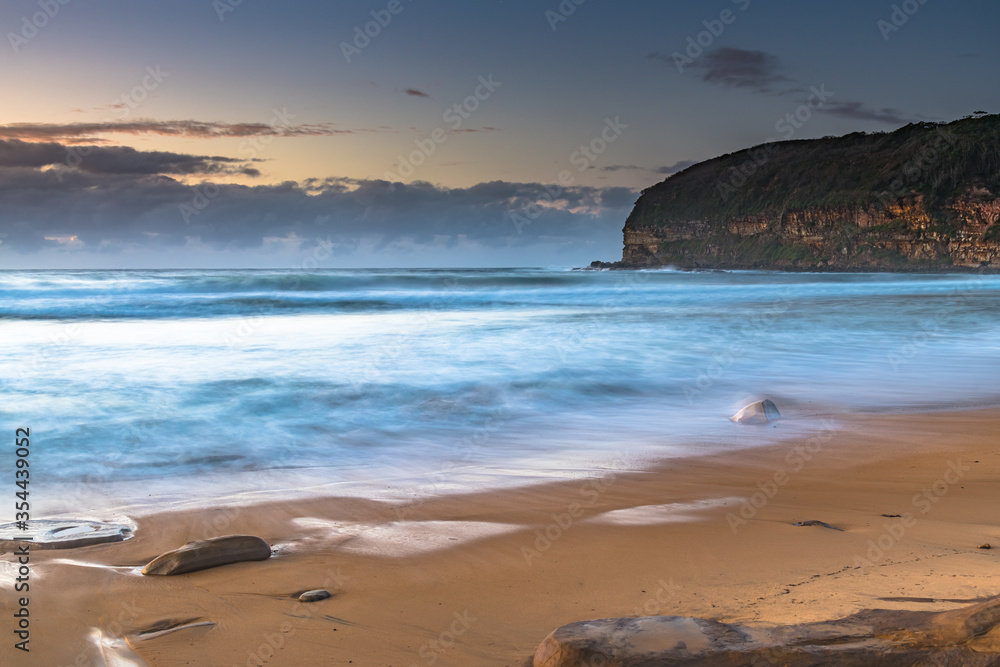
pixel 755 70
pixel 675 167
pixel 615 198
pixel 86 132
pixel 108 210
pixel 476 129
pixel 759 71
pixel 671 169
pixel 859 111
pixel 116 160
pixel 742 68
pixel 416 93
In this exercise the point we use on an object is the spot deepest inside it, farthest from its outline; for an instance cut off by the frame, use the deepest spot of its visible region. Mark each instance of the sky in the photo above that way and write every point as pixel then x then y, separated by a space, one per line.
pixel 421 133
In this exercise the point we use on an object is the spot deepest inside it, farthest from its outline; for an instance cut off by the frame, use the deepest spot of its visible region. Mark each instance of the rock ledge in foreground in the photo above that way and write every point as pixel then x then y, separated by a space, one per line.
pixel 204 554
pixel 967 637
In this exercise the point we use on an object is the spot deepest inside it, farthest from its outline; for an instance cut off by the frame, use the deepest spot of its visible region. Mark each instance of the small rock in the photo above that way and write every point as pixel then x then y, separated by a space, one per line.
pixel 985 546
pixel 814 522
pixel 760 412
pixel 209 553
pixel 314 596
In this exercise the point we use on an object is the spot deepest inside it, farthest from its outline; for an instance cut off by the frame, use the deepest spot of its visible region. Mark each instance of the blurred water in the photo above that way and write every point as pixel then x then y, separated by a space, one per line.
pixel 194 376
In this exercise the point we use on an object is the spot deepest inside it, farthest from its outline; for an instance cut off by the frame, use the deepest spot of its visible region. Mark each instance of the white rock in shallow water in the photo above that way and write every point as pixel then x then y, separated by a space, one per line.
pixel 760 412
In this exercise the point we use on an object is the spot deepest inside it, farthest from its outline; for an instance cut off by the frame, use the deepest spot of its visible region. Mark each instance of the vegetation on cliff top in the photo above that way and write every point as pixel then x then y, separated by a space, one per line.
pixel 936 160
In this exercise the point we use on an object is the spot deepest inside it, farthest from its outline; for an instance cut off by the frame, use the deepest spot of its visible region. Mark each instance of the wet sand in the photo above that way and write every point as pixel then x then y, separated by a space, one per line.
pixel 482 578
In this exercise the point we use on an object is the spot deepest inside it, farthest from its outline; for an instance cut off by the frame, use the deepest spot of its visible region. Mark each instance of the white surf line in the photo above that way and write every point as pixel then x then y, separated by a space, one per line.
pixel 400 539
pixel 650 515
pixel 123 569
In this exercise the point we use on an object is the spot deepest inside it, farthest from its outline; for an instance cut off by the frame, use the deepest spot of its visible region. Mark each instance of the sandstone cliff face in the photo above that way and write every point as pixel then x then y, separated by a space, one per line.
pixel 902 235
pixel 925 197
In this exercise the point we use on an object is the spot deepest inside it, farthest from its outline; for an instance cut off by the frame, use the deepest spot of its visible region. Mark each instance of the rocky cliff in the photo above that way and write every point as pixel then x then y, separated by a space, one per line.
pixel 925 197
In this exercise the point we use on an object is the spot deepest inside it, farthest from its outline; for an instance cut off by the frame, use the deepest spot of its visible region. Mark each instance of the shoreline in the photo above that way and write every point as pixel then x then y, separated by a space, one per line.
pixel 456 477
pixel 958 270
pixel 483 577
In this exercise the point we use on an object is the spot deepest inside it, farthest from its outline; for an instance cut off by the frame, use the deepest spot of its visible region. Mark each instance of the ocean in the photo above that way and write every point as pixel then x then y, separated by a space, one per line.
pixel 168 388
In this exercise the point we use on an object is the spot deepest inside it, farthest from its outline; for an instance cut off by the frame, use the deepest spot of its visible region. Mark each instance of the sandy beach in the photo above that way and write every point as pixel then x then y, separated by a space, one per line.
pixel 482 578
pixel 501 334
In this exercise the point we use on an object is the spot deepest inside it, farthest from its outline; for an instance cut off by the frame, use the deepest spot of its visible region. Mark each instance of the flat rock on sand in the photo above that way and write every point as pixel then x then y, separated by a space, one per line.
pixel 63 533
pixel 315 596
pixel 204 554
pixel 968 637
